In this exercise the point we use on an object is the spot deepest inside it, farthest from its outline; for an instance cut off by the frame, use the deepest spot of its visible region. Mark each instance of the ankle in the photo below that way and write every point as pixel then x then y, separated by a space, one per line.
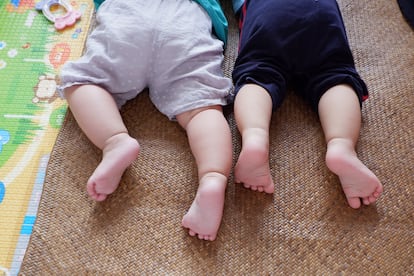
pixel 255 136
pixel 341 143
pixel 216 176
pixel 118 139
pixel 255 132
pixel 339 150
pixel 211 186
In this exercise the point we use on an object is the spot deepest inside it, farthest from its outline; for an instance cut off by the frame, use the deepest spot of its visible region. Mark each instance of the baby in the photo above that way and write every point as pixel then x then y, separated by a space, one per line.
pixel 299 44
pixel 171 48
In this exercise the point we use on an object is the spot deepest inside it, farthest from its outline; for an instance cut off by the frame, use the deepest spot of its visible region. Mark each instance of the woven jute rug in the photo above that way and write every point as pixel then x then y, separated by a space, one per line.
pixel 306 227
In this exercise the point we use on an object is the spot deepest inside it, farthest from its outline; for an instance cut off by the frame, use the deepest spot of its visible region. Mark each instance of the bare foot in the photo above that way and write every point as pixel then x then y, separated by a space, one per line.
pixel 204 216
pixel 358 182
pixel 119 152
pixel 252 168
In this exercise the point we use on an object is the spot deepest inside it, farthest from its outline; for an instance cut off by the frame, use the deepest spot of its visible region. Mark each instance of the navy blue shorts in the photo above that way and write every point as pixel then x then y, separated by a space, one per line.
pixel 300 45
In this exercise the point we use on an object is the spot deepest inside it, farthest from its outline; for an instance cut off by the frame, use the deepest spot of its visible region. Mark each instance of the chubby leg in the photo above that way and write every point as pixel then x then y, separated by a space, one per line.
pixel 340 116
pixel 98 116
pixel 210 142
pixel 253 111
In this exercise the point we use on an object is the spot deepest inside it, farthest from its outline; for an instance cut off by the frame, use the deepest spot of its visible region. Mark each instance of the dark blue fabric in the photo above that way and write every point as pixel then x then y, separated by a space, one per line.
pixel 407 9
pixel 299 44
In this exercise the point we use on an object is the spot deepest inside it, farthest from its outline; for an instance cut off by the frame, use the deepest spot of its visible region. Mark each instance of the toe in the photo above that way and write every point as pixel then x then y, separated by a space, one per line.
pixel 354 202
pixel 100 197
pixel 366 201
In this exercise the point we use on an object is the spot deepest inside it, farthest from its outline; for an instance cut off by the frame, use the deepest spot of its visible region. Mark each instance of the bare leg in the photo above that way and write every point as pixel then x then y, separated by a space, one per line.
pixel 253 111
pixel 98 116
pixel 340 115
pixel 210 141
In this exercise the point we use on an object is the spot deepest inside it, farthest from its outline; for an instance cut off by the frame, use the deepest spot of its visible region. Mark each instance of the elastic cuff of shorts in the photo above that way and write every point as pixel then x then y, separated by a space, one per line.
pixel 276 99
pixel 61 88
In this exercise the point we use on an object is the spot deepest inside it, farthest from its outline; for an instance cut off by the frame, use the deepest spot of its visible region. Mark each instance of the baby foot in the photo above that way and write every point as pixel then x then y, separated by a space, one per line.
pixel 204 216
pixel 358 182
pixel 252 168
pixel 119 152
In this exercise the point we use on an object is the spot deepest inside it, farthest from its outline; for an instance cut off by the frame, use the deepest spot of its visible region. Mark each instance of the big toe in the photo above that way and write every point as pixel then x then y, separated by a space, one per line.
pixel 354 202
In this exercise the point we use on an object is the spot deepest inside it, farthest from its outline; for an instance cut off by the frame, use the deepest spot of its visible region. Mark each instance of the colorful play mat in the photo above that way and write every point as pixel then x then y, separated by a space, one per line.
pixel 32 51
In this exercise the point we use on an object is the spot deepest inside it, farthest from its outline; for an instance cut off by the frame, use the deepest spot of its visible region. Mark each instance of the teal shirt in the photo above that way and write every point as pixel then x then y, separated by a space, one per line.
pixel 98 3
pixel 237 4
pixel 214 10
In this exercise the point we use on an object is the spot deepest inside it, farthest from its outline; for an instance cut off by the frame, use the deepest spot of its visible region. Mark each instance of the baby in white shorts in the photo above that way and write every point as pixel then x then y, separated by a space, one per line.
pixel 166 46
pixel 170 48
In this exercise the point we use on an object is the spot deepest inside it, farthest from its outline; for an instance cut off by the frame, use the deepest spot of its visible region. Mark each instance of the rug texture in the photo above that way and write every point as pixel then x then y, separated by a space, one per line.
pixel 306 227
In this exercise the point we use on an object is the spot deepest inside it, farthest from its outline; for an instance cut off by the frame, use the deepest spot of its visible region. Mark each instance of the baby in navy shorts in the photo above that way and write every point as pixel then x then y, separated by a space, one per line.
pixel 300 45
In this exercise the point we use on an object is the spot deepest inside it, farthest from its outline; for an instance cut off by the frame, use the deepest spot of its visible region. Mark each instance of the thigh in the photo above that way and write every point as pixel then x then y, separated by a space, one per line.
pixel 312 87
pixel 187 71
pixel 262 57
pixel 117 54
